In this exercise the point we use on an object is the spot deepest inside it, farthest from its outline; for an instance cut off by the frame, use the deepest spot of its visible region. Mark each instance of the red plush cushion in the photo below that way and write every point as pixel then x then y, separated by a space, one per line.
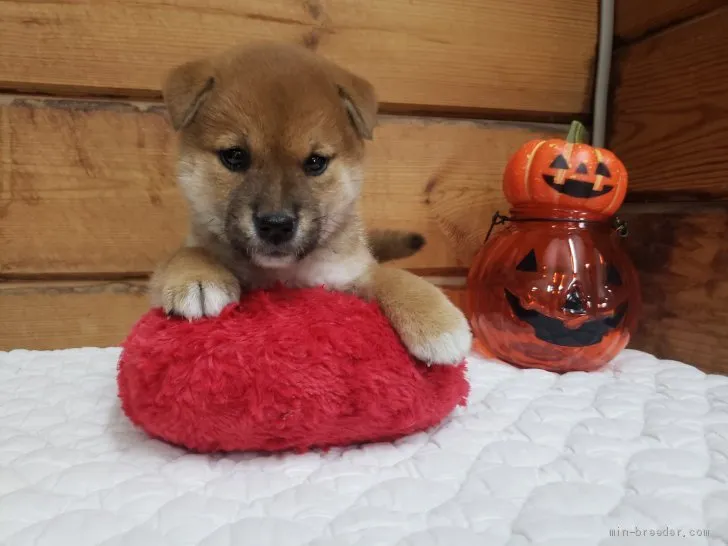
pixel 285 369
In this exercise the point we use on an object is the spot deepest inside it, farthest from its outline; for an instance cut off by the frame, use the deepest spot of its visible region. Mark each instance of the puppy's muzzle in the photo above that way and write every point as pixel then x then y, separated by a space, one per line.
pixel 276 228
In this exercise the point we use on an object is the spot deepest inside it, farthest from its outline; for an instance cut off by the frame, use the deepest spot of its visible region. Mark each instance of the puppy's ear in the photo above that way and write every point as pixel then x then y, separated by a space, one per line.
pixel 360 102
pixel 185 89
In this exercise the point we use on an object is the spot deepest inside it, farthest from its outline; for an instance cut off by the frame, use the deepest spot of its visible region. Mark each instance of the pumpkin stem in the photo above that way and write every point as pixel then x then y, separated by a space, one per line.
pixel 577 133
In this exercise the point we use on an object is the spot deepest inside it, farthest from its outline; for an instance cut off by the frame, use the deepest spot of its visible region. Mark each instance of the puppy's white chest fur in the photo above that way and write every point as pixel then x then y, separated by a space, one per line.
pixel 322 267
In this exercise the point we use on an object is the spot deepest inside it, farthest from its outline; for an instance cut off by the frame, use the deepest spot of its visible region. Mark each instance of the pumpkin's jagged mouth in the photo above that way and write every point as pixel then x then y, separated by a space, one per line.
pixel 553 331
pixel 577 188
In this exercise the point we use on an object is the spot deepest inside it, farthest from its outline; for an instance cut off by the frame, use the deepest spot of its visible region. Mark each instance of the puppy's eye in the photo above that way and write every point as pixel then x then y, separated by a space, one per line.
pixel 315 164
pixel 235 159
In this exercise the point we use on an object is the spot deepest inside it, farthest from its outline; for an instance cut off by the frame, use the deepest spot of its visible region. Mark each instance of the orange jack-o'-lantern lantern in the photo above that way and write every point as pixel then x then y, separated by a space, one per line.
pixel 555 289
pixel 566 173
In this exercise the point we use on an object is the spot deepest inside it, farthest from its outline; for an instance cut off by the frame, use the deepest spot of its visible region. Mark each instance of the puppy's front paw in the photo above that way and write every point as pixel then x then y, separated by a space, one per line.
pixel 432 328
pixel 438 339
pixel 193 299
pixel 449 347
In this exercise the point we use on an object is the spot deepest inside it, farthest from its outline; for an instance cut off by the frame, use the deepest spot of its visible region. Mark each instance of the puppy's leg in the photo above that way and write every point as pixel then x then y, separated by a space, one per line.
pixel 193 284
pixel 431 327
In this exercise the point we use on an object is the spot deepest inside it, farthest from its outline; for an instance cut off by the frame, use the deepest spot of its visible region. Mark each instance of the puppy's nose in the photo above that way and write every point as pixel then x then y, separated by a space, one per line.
pixel 276 227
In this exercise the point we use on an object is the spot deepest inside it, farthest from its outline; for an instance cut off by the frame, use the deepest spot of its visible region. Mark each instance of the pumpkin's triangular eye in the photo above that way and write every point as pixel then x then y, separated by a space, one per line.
pixel 559 163
pixel 603 171
pixel 581 169
pixel 613 276
pixel 528 263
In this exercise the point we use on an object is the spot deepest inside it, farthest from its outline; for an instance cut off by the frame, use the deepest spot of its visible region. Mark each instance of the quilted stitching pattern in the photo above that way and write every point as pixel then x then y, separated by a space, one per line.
pixel 536 458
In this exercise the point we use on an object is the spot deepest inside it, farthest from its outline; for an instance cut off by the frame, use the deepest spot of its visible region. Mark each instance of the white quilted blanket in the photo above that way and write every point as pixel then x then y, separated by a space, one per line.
pixel 635 454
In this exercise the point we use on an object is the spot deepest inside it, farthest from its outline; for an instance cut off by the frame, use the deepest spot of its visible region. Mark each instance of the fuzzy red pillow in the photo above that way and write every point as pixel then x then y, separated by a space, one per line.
pixel 284 369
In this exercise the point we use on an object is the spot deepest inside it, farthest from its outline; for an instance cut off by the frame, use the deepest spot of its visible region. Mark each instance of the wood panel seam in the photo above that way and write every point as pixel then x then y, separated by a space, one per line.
pixel 547 121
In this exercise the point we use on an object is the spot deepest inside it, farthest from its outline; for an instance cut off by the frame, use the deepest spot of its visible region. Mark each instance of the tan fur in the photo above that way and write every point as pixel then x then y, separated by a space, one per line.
pixel 431 327
pixel 194 284
pixel 283 103
pixel 389 244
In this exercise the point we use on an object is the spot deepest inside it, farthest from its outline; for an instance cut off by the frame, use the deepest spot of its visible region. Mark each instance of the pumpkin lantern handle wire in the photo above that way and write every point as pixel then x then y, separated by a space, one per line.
pixel 497 220
pixel 619 225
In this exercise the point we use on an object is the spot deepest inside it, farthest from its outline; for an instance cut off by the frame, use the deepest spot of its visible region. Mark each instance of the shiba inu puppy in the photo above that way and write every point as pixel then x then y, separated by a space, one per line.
pixel 271 164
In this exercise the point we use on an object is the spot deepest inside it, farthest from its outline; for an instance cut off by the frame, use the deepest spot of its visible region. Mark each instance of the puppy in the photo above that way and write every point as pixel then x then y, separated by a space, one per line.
pixel 271 164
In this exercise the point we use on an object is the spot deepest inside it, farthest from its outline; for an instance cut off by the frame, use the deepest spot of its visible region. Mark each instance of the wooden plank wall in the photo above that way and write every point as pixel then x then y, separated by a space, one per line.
pixel 670 126
pixel 88 203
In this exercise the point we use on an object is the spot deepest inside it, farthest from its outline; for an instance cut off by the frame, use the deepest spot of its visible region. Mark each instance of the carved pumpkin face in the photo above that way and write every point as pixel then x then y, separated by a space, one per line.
pixel 556 296
pixel 565 318
pixel 566 174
